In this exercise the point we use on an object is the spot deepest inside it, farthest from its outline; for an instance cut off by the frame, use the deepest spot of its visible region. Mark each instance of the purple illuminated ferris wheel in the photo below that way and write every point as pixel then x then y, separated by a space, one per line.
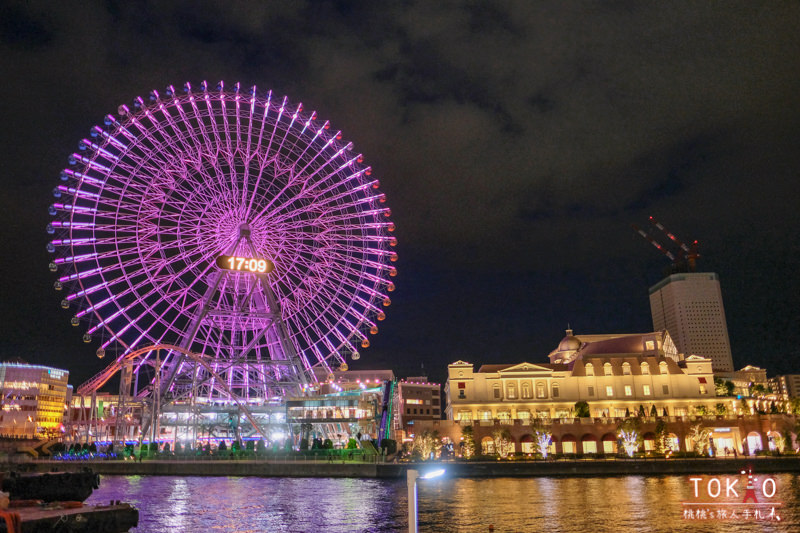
pixel 228 223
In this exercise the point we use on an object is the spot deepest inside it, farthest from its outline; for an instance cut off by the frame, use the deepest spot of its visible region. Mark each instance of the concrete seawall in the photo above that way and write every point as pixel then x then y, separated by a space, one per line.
pixel 393 470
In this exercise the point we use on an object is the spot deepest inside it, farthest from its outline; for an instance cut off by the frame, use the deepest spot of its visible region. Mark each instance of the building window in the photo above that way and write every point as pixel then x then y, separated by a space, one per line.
pixel 540 390
pixel 702 389
pixel 626 369
pixel 461 394
pixel 512 391
pixel 665 389
pixel 619 413
pixel 628 391
pixel 645 369
pixel 607 369
pixel 524 415
pixel 662 366
pixel 589 369
pixel 649 345
pixel 646 390
pixel 486 415
pixel 591 391
pixel 497 391
pixel 609 390
pixel 555 390
pixel 526 390
pixel 415 411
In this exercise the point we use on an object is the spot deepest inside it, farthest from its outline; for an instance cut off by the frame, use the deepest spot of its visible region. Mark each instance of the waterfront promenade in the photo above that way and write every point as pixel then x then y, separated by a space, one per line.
pixel 468 469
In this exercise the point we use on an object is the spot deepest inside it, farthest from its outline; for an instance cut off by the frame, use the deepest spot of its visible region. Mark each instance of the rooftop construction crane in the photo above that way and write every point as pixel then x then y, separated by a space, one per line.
pixel 685 257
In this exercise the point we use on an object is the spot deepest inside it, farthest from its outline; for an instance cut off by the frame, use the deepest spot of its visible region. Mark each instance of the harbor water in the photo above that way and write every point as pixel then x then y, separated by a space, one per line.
pixel 331 505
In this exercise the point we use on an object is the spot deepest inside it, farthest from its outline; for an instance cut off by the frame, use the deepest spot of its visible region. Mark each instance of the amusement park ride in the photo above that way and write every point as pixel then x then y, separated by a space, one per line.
pixel 228 248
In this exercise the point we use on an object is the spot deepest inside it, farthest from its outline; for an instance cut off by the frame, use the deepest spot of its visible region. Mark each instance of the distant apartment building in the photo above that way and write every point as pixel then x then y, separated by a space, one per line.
pixel 416 399
pixel 689 306
pixel 34 400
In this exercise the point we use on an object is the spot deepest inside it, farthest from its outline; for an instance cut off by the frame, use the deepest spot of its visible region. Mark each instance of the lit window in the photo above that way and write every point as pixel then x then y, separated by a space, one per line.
pixel 609 390
pixel 607 369
pixel 526 390
pixel 646 390
pixel 702 389
pixel 626 369
pixel 512 391
pixel 649 345
pixel 645 368
pixel 628 391
pixel 589 369
pixel 663 367
pixel 540 390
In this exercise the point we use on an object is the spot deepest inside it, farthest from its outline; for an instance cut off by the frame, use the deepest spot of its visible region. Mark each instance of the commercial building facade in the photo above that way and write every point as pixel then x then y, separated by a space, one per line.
pixel 34 400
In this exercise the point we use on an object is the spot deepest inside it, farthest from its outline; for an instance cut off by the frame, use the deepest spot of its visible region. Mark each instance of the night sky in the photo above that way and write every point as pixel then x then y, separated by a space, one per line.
pixel 516 143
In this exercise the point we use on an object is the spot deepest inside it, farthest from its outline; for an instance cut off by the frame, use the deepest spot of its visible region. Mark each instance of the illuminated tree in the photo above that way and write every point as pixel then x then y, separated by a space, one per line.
pixel 699 436
pixel 628 433
pixel 468 436
pixel 503 444
pixel 720 409
pixel 543 438
pixel 427 445
pixel 661 437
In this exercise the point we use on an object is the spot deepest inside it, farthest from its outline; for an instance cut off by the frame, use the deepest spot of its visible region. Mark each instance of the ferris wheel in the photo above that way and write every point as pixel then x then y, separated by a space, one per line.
pixel 229 223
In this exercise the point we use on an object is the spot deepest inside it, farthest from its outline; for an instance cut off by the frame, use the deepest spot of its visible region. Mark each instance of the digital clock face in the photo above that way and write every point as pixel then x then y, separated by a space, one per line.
pixel 245 264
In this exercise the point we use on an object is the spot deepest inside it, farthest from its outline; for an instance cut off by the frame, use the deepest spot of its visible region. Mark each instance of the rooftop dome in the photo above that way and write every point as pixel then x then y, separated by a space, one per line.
pixel 569 343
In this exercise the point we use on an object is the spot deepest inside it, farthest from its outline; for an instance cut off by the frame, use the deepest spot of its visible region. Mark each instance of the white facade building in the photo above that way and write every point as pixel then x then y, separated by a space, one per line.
pixel 689 306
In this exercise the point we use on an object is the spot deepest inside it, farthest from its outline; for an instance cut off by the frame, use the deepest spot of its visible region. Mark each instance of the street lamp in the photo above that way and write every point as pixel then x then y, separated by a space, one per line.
pixel 411 478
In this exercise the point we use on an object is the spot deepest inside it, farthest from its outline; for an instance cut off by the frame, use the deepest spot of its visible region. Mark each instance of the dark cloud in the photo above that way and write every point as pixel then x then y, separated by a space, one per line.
pixel 516 142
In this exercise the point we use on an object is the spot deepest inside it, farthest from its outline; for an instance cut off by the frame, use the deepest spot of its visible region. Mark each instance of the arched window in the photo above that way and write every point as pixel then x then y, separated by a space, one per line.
pixel 540 390
pixel 662 366
pixel 607 369
pixel 645 369
pixel 496 389
pixel 589 369
pixel 512 391
pixel 526 390
pixel 555 390
pixel 626 369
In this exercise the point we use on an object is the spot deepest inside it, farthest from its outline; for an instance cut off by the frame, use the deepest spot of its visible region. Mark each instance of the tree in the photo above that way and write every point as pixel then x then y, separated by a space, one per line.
pixel 794 406
pixel 720 408
pixel 641 413
pixel 426 445
pixel 303 444
pixel 628 433
pixel 582 409
pixel 543 439
pixel 653 411
pixel 467 441
pixel 701 409
pixel 729 387
pixel 757 390
pixel 661 437
pixel 503 443
pixel 222 446
pixel 699 436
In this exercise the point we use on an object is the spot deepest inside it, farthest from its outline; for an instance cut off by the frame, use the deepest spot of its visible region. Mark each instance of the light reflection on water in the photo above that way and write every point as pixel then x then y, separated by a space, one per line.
pixel 598 505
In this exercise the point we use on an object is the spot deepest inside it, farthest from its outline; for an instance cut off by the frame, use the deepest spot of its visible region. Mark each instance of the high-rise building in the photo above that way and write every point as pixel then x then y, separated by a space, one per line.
pixel 689 306
pixel 33 400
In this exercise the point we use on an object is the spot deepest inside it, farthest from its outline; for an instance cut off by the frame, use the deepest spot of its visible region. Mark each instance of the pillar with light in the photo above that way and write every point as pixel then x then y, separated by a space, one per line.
pixel 411 477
